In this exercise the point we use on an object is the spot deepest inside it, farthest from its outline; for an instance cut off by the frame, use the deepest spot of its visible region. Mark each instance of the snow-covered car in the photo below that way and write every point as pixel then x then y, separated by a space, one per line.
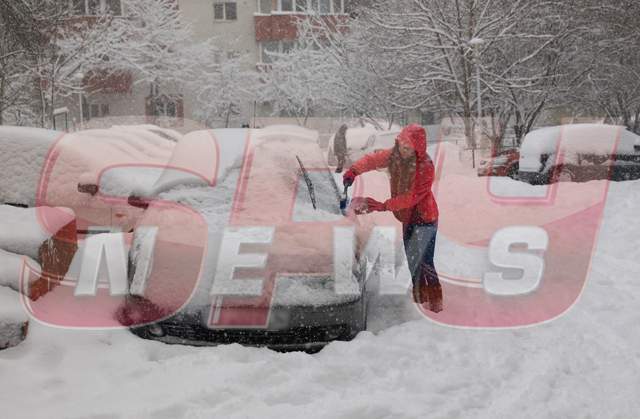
pixel 287 188
pixel 82 169
pixel 361 141
pixel 504 163
pixel 579 153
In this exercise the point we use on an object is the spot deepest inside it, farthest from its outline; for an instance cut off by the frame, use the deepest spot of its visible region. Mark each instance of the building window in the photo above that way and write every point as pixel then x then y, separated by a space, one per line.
pixel 95 111
pixel 164 106
pixel 337 6
pixel 113 7
pixel 324 7
pixel 264 6
pixel 225 10
pixel 286 5
pixel 268 48
pixel 321 6
pixel 96 7
pixel 104 110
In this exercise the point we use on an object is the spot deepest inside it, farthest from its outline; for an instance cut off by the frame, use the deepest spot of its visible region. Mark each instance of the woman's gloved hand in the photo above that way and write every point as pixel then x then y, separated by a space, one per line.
pixel 373 205
pixel 349 177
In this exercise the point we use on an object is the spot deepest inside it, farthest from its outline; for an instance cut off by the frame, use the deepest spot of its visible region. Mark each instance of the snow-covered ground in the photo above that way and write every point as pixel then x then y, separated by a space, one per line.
pixel 584 364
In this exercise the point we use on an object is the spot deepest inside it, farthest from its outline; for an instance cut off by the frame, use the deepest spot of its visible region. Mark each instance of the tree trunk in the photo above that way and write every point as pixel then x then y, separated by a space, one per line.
pixel 2 81
pixel 227 118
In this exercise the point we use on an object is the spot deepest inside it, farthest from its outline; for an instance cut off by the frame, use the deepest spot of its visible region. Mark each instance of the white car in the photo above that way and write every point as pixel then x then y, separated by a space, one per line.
pixel 304 307
pixel 578 153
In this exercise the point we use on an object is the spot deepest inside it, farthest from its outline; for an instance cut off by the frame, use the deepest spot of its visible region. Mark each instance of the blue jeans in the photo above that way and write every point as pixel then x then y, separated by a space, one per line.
pixel 419 246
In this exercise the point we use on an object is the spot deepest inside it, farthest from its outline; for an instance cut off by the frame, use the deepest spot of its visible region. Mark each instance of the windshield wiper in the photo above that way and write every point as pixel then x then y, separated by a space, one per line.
pixel 307 180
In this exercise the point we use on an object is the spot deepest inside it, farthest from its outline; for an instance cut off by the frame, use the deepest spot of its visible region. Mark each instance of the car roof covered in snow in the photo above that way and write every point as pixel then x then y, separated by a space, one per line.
pixel 82 156
pixel 580 138
pixel 185 169
pixel 22 154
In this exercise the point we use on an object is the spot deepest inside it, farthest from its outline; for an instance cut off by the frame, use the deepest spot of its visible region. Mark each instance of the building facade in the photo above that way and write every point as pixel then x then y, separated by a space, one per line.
pixel 242 27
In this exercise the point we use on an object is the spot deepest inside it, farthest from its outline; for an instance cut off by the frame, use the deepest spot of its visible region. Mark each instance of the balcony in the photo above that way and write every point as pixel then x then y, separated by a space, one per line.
pixel 276 27
pixel 281 27
pixel 103 82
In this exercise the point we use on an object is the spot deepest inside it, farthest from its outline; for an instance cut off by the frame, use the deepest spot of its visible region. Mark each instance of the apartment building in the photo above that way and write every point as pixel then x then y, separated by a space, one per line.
pixel 247 27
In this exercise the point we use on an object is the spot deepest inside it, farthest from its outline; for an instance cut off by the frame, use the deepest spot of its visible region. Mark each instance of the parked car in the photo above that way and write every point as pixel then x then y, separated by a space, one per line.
pixel 88 166
pixel 305 311
pixel 579 153
pixel 504 163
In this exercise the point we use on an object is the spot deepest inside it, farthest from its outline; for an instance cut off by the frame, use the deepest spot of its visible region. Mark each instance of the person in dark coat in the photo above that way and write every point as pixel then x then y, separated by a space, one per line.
pixel 340 147
pixel 412 202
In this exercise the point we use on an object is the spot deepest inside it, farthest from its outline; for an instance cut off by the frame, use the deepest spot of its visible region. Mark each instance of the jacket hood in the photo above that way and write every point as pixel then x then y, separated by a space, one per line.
pixel 416 136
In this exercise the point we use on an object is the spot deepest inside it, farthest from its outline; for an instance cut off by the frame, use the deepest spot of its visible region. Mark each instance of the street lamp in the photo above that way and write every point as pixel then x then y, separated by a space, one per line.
pixel 475 44
pixel 80 78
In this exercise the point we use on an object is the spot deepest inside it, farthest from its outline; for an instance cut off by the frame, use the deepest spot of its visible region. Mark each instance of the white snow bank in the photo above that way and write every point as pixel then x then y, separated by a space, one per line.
pixel 22 155
pixel 12 318
pixel 23 230
pixel 11 309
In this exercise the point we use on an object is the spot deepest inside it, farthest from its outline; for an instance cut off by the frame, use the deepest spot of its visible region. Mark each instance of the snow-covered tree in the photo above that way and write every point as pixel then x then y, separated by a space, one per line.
pixel 443 45
pixel 53 47
pixel 222 85
pixel 609 57
pixel 332 69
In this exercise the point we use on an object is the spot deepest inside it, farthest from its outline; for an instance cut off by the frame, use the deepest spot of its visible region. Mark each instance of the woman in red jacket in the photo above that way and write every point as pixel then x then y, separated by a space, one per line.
pixel 412 202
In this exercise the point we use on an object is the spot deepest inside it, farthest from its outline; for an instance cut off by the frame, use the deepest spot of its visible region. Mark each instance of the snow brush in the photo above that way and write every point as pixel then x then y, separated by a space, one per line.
pixel 344 200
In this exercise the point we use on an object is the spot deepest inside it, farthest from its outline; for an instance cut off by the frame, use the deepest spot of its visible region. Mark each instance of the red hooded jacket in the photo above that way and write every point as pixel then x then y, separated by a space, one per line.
pixel 417 205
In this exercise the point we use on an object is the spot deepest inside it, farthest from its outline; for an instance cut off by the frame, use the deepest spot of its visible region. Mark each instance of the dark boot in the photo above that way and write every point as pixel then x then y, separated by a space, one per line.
pixel 434 293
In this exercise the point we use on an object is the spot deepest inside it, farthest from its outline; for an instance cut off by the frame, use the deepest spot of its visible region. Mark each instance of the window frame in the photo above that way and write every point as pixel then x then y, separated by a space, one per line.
pixel 162 104
pixel 103 6
pixel 280 49
pixel 296 7
pixel 224 4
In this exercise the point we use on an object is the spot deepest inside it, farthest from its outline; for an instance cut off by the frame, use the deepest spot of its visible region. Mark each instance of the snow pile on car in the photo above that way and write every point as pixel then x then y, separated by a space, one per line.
pixel 22 155
pixel 274 179
pixel 80 157
pixel 117 160
pixel 23 230
pixel 579 138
